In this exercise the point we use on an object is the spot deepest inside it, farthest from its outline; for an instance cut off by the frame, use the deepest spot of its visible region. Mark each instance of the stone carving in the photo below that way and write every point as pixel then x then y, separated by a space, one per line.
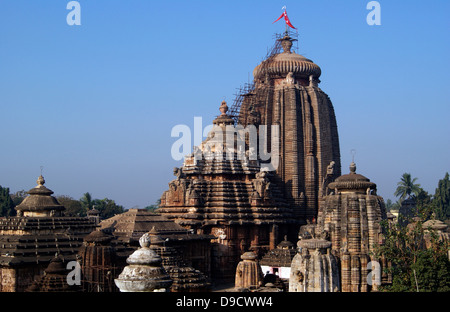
pixel 262 185
pixel 330 168
pixel 177 189
pixel 328 178
pixel 248 272
pixel 220 233
pixel 144 272
pixel 178 172
pixel 234 196
pixel 254 117
pixel 314 268
pixel 290 80
pixel 313 82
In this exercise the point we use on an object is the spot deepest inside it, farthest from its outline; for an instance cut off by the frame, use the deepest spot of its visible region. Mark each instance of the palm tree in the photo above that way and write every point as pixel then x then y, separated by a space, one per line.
pixel 406 187
pixel 86 201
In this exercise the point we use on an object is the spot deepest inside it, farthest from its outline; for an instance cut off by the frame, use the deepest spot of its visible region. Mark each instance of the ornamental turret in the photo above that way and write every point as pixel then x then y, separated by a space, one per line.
pixel 144 272
pixel 350 216
pixel 40 202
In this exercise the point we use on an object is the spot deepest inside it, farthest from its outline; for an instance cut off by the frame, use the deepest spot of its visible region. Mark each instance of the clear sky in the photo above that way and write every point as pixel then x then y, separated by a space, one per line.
pixel 95 104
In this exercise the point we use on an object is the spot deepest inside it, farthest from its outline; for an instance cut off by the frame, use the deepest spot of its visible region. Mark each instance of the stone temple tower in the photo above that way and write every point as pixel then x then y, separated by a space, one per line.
pixel 285 92
pixel 235 198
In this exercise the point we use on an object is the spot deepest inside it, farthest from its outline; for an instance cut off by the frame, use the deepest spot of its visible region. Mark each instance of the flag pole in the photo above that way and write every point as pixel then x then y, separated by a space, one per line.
pixel 285 24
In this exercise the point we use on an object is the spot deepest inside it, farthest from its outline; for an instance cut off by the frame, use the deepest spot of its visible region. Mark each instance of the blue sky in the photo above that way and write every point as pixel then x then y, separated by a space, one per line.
pixel 95 104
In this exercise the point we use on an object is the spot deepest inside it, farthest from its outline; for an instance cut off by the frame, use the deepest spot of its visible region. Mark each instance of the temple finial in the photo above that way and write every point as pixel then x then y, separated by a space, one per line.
pixel 223 108
pixel 40 181
pixel 353 165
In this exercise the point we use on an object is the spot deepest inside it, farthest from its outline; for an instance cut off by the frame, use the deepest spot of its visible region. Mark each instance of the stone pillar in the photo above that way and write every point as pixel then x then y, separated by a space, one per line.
pixel 144 272
pixel 248 272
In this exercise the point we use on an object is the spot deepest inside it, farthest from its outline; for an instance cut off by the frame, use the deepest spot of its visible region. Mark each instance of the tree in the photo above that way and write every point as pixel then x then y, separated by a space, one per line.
pixel 107 207
pixel 18 197
pixel 86 201
pixel 74 208
pixel 391 205
pixel 441 199
pixel 6 203
pixel 414 266
pixel 406 187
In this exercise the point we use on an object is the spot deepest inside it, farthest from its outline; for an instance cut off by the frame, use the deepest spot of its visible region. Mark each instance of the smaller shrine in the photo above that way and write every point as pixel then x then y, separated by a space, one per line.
pixel 144 272
pixel 185 278
pixel 54 279
pixel 278 261
pixel 248 272
pixel 314 268
pixel 350 218
pixel 99 262
pixel 127 228
pixel 30 240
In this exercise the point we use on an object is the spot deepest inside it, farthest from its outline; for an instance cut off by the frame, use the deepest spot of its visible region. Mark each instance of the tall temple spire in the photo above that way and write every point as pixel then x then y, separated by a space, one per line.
pixel 287 94
pixel 238 198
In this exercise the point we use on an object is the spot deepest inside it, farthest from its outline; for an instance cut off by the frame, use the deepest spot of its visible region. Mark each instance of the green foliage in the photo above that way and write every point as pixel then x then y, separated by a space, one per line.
pixel 391 205
pixel 74 208
pixel 86 201
pixel 413 264
pixel 107 207
pixel 6 203
pixel 441 199
pixel 432 271
pixel 407 186
pixel 18 197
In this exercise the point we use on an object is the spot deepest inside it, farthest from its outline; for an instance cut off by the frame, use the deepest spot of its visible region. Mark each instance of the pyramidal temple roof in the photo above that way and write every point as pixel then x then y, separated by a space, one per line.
pixel 132 224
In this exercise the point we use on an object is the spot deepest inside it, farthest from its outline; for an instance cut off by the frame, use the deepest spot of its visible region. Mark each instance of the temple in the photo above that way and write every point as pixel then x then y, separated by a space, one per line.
pixel 285 92
pixel 29 241
pixel 260 203
pixel 251 202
